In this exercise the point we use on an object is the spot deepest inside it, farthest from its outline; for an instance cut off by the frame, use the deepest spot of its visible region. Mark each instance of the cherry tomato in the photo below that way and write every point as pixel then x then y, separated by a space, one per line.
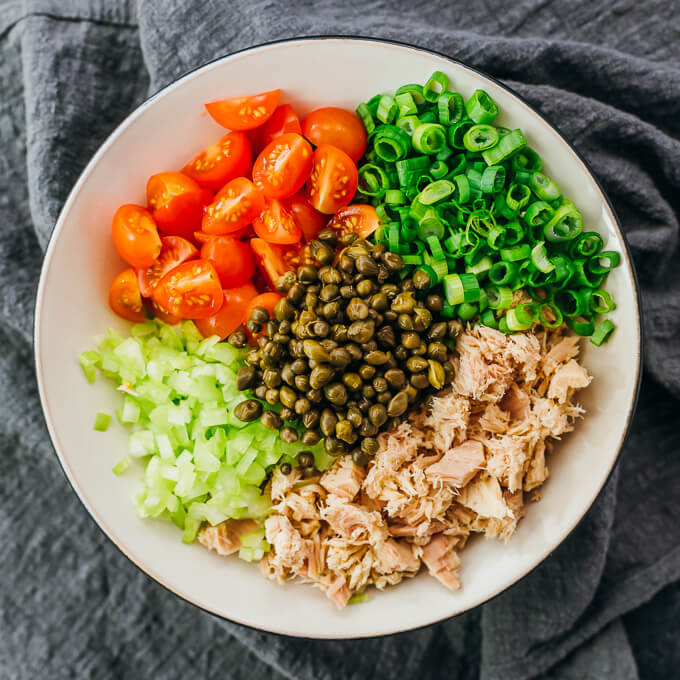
pixel 266 300
pixel 191 290
pixel 231 313
pixel 311 221
pixel 358 218
pixel 231 157
pixel 177 203
pixel 333 179
pixel 337 127
pixel 175 250
pixel 283 120
pixel 269 259
pixel 170 319
pixel 235 206
pixel 244 113
pixel 276 224
pixel 135 235
pixel 232 259
pixel 125 298
pixel 283 166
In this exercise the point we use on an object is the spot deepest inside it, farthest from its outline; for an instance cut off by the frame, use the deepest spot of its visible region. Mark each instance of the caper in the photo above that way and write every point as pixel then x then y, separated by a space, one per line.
pixel 259 314
pixel 310 438
pixel 345 432
pixel 306 273
pixel 403 303
pixel 253 326
pixel 302 383
pixel 314 350
pixel 327 421
pixel 437 351
pixel 283 309
pixel 420 380
pixel 286 468
pixel 410 340
pixel 437 331
pixel 238 338
pixel 401 353
pixel 284 282
pixel 272 327
pixel 320 328
pixel 296 294
pixel 377 414
pixel 434 302
pixel 310 419
pixel 248 410
pixel 333 446
pixel 288 435
pixel 320 252
pixel 360 458
pixel 356 250
pixel 436 374
pixel 368 392
pixel 421 279
pixel 330 310
pixel 340 357
pixel 422 318
pixel 328 236
pixel 298 367
pixel 454 329
pixel 348 237
pixel 411 392
pixel 383 273
pixel 287 414
pixel 395 378
pixel 329 292
pixel 305 458
pixel 271 377
pixel 319 376
pixel 357 309
pixel 336 393
pixel 354 416
pixel 296 349
pixel 354 351
pixel 363 404
pixel 361 331
pixel 302 405
pixel 366 265
pixel 262 341
pixel 416 364
pixel 364 288
pixel 366 371
pixel 389 316
pixel 347 291
pixel 405 322
pixel 377 250
pixel 271 396
pixel 376 357
pixel 386 336
pixel 346 264
pixel 271 420
pixel 260 391
pixel 393 261
pixel 369 346
pixel 407 286
pixel 384 397
pixel 330 275
pixel 369 445
pixel 309 471
pixel 420 351
pixel 245 377
pixel 352 381
pixel 281 338
pixel 379 302
pixel 287 396
pixel 315 396
pixel 449 371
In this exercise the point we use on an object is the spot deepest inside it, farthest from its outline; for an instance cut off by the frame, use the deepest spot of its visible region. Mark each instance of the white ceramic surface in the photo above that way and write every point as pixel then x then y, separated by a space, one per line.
pixel 80 262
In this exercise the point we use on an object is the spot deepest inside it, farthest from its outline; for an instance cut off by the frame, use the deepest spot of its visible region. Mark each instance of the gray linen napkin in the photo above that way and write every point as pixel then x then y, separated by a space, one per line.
pixel 608 74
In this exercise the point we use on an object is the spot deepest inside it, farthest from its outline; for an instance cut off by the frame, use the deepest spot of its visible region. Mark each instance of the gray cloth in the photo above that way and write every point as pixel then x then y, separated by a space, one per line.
pixel 607 73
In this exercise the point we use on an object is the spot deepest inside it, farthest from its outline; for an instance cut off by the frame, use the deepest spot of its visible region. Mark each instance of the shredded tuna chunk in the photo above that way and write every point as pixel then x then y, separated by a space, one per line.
pixel 225 538
pixel 441 560
pixel 459 465
pixel 344 480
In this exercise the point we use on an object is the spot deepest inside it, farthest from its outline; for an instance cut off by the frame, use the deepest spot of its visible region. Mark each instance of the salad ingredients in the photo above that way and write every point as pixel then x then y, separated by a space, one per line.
pixel 174 251
pixel 284 119
pixel 231 314
pixel 339 128
pixel 244 113
pixel 277 224
pixel 283 166
pixel 230 158
pixel 235 206
pixel 310 221
pixel 135 235
pixel 333 179
pixel 232 259
pixel 125 298
pixel 191 290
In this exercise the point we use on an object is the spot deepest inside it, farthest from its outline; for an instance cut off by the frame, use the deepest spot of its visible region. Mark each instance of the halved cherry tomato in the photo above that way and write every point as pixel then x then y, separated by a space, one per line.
pixel 276 224
pixel 283 120
pixel 171 319
pixel 191 290
pixel 231 313
pixel 333 179
pixel 311 221
pixel 175 250
pixel 231 157
pixel 337 127
pixel 177 203
pixel 359 218
pixel 135 235
pixel 283 166
pixel 235 206
pixel 266 300
pixel 269 259
pixel 244 113
pixel 232 259
pixel 125 298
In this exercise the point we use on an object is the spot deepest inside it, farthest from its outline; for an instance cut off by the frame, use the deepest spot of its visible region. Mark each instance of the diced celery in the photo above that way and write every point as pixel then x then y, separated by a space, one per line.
pixel 122 465
pixel 253 539
pixel 89 360
pixel 164 446
pixel 213 416
pixel 102 422
pixel 246 554
pixel 131 410
pixel 255 474
pixel 246 459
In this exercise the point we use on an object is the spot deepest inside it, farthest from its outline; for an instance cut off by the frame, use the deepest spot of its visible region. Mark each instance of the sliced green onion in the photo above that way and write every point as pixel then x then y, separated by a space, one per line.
pixel 438 169
pixel 537 214
pixel 586 245
pixel 480 107
pixel 450 107
pixel 601 302
pixel 602 332
pixel 395 197
pixel 445 155
pixel 461 288
pixel 500 297
pixel 372 103
pixel 437 83
pixel 540 294
pixel 366 118
pixel 480 137
pixel 527 160
pixel 493 179
pixel 583 277
pixel 387 109
pixel 428 117
pixel 549 315
pixel 522 317
pixel 467 311
pixel 408 124
pixel 372 180
pixel 481 267
pixel 102 422
pixel 565 225
pixel 496 237
pixel 435 247
pixel 503 325
pixel 408 168
pixel 572 303
pixel 502 272
pixel 457 133
pixel 406 104
pixel 436 191
pixel 416 92
pixel 488 318
pixel 429 138
pixel 539 256
pixel 611 259
pixel 457 163
pixel 423 181
pixel 390 143
pixel 506 147
pixel 544 187
pixel 448 311
pixel 516 253
pixel 514 233
pixel 430 226
pixel 518 195
pixel 581 325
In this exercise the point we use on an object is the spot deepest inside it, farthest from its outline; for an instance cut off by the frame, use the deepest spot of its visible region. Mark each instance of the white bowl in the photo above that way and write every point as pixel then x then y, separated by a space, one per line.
pixel 72 308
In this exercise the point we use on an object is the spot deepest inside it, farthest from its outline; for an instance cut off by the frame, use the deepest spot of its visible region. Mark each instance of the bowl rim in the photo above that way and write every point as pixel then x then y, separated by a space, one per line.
pixel 110 139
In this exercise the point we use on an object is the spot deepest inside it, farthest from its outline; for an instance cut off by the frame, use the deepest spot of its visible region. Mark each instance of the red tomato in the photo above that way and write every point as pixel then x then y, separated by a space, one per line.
pixel 231 313
pixel 135 235
pixel 276 224
pixel 231 157
pixel 266 300
pixel 311 221
pixel 170 319
pixel 244 113
pixel 191 290
pixel 232 259
pixel 283 120
pixel 359 218
pixel 269 259
pixel 283 166
pixel 333 179
pixel 175 250
pixel 235 206
pixel 125 298
pixel 337 127
pixel 177 203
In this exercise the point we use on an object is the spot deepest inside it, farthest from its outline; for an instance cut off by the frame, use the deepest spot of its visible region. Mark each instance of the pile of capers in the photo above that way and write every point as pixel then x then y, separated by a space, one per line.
pixel 351 346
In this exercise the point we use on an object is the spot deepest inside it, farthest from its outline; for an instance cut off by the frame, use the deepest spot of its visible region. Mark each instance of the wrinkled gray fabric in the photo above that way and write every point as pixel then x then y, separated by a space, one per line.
pixel 607 73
